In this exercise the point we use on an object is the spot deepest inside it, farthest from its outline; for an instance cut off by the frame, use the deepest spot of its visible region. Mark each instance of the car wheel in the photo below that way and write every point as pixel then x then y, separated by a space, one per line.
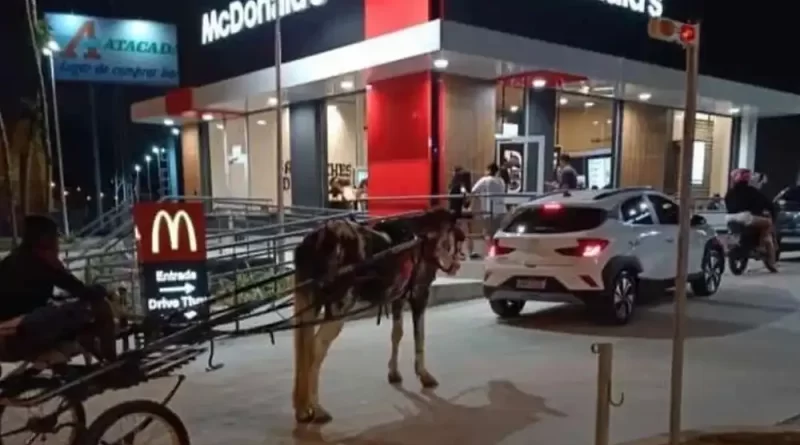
pixel 507 308
pixel 737 262
pixel 713 266
pixel 620 299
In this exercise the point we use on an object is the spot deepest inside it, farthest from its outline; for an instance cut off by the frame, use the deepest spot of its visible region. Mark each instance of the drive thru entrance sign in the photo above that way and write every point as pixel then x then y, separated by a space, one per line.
pixel 171 248
pixel 688 36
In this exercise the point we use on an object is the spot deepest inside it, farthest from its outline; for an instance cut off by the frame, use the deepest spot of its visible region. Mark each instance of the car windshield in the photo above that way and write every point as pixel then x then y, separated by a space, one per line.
pixel 555 218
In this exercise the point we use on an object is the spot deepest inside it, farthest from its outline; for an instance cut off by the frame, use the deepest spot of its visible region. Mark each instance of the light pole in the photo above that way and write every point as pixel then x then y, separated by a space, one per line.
pixel 147 159
pixel 49 51
pixel 157 151
pixel 137 186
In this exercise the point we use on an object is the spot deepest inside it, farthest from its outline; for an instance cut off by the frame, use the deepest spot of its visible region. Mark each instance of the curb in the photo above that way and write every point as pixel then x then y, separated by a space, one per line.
pixel 663 439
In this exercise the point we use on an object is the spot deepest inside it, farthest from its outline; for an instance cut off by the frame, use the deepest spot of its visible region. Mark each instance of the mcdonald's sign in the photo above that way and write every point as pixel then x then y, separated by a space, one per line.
pixel 170 232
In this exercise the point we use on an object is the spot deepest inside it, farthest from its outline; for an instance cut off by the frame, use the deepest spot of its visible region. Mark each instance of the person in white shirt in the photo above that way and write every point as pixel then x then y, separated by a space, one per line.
pixel 489 191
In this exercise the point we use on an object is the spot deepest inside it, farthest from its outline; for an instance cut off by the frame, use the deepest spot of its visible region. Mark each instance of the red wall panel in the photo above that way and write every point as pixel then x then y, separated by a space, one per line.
pixel 398 142
pixel 385 16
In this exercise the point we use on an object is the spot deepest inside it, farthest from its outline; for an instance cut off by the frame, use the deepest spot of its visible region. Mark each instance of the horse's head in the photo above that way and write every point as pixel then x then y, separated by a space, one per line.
pixel 441 239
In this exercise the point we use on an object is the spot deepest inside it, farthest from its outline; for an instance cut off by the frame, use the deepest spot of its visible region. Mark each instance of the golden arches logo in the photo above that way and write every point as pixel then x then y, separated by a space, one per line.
pixel 173 226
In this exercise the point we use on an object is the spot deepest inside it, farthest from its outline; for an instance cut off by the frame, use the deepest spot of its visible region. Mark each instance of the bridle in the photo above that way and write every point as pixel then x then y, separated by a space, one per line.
pixel 429 248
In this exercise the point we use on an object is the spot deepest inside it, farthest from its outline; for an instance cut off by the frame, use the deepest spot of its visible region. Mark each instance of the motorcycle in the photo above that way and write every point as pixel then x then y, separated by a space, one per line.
pixel 744 244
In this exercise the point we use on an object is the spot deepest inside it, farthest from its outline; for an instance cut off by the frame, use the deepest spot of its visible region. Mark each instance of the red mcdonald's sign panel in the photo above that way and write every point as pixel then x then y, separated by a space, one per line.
pixel 170 232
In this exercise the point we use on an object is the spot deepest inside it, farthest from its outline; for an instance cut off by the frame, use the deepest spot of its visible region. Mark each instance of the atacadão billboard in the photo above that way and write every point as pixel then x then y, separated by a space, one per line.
pixel 95 49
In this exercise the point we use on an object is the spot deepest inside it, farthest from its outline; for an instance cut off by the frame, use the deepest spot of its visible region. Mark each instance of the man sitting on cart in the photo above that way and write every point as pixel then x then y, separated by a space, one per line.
pixel 39 324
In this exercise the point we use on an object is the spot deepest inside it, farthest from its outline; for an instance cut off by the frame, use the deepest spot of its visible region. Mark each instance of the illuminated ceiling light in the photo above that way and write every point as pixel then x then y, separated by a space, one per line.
pixel 645 96
pixel 441 64
pixel 208 117
pixel 220 127
pixel 588 104
pixel 347 85
pixel 261 122
pixel 563 101
pixel 735 110
pixel 514 108
pixel 539 83
pixel 272 101
pixel 596 123
pixel 169 122
pixel 608 121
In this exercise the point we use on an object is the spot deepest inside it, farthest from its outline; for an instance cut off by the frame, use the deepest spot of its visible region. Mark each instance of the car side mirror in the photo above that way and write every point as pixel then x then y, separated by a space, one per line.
pixel 697 220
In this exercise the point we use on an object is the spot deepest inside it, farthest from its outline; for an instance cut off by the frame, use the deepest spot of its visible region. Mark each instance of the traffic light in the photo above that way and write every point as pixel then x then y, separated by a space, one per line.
pixel 669 30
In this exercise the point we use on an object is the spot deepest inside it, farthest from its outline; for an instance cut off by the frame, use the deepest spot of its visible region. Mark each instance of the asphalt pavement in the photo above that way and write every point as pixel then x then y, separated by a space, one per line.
pixel 529 381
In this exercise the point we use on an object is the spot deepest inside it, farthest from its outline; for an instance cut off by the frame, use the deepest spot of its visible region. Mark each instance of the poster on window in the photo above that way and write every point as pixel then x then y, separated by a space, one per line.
pixel 511 155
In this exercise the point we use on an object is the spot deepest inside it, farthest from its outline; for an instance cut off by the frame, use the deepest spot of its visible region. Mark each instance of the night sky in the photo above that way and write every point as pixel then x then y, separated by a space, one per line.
pixel 751 39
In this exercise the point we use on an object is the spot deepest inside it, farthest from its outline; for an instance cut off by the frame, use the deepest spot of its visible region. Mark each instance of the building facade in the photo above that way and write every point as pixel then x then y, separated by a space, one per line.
pixel 401 92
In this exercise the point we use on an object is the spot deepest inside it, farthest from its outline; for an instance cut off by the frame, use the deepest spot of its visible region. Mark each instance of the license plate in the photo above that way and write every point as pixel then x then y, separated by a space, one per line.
pixel 531 283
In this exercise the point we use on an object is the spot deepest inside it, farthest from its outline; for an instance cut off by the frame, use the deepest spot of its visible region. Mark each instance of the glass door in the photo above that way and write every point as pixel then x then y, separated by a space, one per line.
pixel 524 158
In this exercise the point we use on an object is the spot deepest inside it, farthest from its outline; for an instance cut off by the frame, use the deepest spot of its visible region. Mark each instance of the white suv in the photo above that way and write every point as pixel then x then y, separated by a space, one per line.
pixel 599 247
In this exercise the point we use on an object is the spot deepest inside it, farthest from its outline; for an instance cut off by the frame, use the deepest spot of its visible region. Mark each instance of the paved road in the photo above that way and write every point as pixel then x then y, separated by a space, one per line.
pixel 530 381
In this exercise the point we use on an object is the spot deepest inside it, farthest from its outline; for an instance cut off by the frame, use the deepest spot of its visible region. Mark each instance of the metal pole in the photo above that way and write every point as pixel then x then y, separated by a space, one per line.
pixel 149 181
pixel 684 184
pixel 64 214
pixel 279 127
pixel 603 412
pixel 137 188
pixel 96 152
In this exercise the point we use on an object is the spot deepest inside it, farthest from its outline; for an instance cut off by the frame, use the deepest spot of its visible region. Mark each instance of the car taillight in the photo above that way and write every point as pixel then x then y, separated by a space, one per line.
pixel 495 249
pixel 587 248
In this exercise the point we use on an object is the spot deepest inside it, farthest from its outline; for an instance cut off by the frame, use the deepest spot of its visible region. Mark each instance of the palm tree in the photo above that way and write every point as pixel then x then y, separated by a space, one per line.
pixel 9 183
pixel 40 36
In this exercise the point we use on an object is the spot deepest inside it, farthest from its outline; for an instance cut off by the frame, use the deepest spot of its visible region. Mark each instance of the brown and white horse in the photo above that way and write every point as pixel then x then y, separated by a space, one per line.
pixel 392 280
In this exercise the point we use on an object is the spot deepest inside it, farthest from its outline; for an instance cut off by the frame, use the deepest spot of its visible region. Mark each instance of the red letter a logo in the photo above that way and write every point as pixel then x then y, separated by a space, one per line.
pixel 85 31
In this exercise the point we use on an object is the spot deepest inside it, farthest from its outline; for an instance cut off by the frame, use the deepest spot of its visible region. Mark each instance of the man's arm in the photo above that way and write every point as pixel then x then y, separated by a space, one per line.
pixel 479 186
pixel 54 272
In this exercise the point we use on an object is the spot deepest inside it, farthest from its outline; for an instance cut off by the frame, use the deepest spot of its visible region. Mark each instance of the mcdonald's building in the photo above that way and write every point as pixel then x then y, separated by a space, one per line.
pixel 402 91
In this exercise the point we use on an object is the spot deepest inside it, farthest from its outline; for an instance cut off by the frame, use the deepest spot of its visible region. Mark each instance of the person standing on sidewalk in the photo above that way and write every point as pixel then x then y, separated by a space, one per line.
pixel 489 191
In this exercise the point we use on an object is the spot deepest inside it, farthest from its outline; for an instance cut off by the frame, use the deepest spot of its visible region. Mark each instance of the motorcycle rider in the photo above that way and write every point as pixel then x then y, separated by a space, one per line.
pixel 748 206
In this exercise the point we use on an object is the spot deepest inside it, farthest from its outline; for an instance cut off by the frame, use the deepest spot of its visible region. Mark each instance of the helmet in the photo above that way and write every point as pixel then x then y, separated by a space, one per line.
pixel 741 175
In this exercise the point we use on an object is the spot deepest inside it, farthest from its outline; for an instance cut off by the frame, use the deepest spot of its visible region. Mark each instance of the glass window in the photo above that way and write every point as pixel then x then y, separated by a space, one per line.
pixel 556 220
pixel 666 210
pixel 636 211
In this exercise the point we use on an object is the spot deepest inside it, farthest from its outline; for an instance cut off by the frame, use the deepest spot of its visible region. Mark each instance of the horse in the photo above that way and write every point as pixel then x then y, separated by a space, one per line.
pixel 393 280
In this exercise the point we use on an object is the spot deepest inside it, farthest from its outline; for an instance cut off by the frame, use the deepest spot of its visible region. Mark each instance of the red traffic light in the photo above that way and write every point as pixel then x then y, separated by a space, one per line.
pixel 688 34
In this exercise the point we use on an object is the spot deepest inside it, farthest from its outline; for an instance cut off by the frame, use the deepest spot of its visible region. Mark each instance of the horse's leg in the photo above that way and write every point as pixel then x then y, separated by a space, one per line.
pixel 419 303
pixel 397 334
pixel 306 313
pixel 325 336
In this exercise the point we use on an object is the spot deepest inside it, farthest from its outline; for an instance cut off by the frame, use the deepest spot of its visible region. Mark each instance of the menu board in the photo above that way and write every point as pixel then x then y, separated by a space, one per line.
pixel 598 172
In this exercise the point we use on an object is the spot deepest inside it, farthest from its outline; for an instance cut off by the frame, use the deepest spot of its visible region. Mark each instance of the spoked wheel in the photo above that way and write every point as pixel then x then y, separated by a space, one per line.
pixel 737 262
pixel 137 422
pixel 58 421
pixel 618 304
pixel 713 267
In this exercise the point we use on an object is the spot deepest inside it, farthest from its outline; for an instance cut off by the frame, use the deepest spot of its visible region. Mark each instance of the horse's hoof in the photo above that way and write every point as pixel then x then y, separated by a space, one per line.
pixel 305 415
pixel 321 416
pixel 395 378
pixel 428 381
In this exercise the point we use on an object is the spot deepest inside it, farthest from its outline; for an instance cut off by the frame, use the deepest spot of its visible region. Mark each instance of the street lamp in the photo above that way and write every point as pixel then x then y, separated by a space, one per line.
pixel 49 51
pixel 147 159
pixel 138 169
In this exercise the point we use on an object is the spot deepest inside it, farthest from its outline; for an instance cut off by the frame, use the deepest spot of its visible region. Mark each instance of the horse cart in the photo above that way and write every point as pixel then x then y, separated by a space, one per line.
pixel 54 392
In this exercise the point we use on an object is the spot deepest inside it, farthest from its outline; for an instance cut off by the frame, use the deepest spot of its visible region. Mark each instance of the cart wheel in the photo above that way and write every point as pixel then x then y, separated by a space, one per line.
pixel 137 422
pixel 60 420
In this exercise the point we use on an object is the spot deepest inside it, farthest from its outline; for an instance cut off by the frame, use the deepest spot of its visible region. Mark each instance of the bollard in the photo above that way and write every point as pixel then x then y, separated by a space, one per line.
pixel 605 353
